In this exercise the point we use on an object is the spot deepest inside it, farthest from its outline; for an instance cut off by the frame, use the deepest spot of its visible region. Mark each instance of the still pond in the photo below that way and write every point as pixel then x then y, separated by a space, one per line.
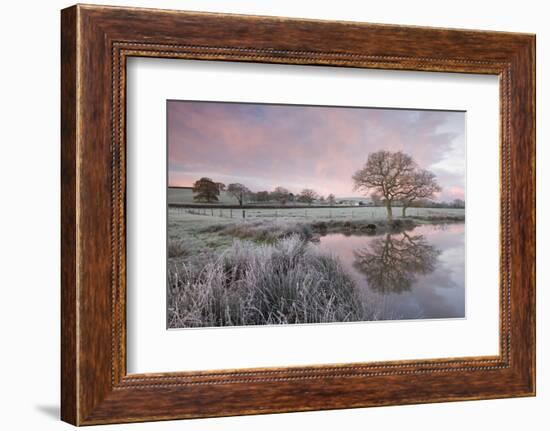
pixel 417 274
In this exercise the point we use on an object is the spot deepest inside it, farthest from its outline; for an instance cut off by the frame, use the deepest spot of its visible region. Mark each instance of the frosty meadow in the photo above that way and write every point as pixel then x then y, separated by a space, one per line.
pixel 286 214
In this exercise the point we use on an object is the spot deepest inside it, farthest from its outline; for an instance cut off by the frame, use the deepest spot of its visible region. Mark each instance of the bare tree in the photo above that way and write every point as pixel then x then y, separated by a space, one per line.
pixel 281 195
pixel 395 177
pixel 385 173
pixel 239 192
pixel 421 184
pixel 205 190
pixel 308 196
pixel 331 199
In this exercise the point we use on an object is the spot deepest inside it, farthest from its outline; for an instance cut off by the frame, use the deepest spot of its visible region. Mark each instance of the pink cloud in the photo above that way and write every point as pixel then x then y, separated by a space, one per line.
pixel 301 146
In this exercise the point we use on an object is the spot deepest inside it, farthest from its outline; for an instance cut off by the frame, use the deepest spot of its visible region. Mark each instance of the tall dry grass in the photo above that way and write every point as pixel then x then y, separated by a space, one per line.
pixel 288 281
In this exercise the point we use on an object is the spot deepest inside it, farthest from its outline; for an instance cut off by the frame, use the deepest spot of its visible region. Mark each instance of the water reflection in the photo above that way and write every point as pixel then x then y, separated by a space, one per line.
pixel 391 263
pixel 412 275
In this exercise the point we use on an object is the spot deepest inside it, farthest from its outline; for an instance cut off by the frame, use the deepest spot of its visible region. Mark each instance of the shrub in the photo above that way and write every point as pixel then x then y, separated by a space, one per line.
pixel 176 248
pixel 263 231
pixel 286 282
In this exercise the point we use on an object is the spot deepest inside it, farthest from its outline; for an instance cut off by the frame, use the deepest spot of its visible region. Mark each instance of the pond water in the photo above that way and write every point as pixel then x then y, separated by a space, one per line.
pixel 417 274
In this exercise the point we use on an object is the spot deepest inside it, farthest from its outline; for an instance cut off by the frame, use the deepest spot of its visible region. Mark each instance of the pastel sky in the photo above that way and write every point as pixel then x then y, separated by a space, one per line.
pixel 264 146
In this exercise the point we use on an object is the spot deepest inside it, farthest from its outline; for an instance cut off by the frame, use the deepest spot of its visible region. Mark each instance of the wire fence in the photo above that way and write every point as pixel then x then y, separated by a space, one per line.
pixel 313 213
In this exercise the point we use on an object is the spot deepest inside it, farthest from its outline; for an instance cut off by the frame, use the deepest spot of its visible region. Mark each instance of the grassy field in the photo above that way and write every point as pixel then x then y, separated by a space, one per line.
pixel 309 214
pixel 263 269
pixel 194 230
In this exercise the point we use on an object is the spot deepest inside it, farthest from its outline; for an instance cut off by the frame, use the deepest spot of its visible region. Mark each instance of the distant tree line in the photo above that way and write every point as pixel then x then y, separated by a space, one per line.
pixel 390 179
pixel 207 190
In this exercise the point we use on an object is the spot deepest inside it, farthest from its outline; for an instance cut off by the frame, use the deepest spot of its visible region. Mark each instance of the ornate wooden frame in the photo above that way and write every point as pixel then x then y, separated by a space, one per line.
pixel 95 42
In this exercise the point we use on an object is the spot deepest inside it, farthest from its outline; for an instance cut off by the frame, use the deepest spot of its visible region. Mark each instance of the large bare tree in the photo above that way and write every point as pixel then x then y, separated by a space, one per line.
pixel 421 184
pixel 394 177
pixel 385 173
pixel 239 192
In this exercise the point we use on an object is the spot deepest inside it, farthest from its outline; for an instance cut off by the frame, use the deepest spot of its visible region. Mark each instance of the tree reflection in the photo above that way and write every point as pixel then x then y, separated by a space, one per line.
pixel 391 263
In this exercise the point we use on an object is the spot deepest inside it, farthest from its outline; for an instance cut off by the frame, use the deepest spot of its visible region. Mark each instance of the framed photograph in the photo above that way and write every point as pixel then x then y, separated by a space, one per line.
pixel 284 214
pixel 265 215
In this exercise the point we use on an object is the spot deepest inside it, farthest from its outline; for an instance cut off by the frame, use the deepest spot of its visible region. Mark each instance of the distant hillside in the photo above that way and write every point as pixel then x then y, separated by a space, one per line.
pixel 184 195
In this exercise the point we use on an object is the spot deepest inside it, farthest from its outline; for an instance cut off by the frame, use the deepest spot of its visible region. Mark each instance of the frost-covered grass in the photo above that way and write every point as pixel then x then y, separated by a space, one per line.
pixel 289 281
pixel 309 214
pixel 191 233
pixel 264 269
